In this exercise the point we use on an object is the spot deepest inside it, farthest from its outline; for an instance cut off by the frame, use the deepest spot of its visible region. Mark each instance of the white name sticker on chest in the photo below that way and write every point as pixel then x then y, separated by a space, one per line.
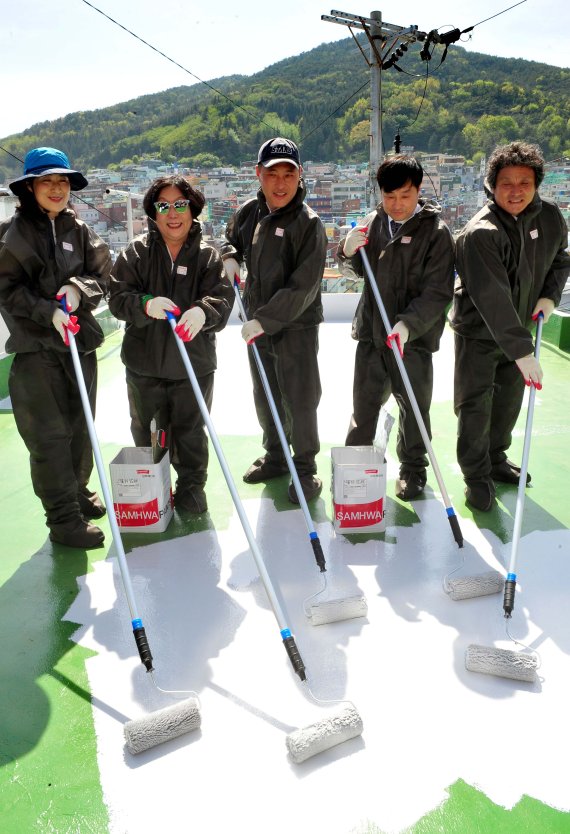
pixel 279 232
pixel 534 234
pixel 406 239
pixel 181 270
pixel 68 246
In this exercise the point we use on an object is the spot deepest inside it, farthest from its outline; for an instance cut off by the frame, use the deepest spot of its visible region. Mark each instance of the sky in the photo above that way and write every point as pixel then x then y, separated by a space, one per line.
pixel 63 57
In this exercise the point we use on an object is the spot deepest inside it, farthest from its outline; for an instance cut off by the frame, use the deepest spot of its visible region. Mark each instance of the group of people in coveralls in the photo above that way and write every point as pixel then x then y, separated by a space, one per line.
pixel 509 265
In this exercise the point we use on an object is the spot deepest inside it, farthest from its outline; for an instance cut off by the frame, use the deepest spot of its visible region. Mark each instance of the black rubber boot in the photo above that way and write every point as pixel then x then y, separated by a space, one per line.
pixel 77 533
pixel 480 493
pixel 191 499
pixel 311 486
pixel 264 469
pixel 90 504
pixel 410 484
pixel 508 472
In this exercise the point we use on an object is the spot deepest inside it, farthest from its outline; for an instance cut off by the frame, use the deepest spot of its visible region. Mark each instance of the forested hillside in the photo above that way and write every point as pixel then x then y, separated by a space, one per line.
pixel 466 105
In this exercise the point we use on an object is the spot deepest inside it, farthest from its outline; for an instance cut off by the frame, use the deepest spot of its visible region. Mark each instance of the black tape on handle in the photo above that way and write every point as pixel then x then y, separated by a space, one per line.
pixel 144 648
pixel 295 657
pixel 509 598
pixel 456 529
pixel 318 553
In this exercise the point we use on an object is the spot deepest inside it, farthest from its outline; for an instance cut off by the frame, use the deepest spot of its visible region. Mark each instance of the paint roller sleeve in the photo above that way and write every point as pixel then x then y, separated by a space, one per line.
pixel 162 725
pixel 339 726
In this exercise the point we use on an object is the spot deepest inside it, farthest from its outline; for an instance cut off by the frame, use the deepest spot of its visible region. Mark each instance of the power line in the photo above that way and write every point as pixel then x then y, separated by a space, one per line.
pixel 172 61
pixel 496 15
pixel 336 110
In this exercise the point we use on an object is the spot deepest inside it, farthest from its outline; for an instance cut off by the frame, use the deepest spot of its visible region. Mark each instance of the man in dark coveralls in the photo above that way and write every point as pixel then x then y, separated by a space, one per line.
pixel 512 265
pixel 410 250
pixel 283 244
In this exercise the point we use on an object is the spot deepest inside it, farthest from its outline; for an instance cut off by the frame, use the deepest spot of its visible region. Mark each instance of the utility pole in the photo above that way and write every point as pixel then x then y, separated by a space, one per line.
pixel 130 195
pixel 382 39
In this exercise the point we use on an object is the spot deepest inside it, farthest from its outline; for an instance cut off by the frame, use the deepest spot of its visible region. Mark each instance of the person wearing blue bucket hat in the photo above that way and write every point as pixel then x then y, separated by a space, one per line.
pixel 42 162
pixel 47 254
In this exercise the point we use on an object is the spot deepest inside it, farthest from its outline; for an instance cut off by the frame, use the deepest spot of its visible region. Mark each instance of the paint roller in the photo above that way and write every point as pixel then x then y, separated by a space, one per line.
pixel 337 728
pixel 506 663
pixel 178 719
pixel 327 733
pixel 451 516
pixel 319 612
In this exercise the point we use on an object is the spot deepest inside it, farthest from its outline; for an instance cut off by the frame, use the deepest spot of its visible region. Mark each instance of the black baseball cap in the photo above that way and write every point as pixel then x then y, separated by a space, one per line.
pixel 278 150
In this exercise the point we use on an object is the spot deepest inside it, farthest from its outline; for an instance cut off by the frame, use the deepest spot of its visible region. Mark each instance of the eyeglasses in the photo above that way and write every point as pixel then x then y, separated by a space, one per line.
pixel 179 206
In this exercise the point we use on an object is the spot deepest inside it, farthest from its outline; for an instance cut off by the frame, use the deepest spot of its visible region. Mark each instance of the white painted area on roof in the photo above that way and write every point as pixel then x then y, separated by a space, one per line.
pixel 427 721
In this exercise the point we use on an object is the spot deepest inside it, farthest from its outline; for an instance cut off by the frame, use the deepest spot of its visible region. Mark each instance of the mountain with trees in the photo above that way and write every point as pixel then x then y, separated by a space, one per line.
pixel 321 99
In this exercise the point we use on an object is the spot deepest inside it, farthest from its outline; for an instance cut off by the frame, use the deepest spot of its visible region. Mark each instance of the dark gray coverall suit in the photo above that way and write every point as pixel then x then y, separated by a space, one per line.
pixel 43 386
pixel 414 274
pixel 504 266
pixel 157 381
pixel 285 253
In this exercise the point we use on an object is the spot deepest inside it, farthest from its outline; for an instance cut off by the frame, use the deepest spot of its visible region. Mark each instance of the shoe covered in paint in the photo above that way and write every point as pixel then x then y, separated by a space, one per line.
pixel 508 473
pixel 410 484
pixel 264 469
pixel 191 499
pixel 311 486
pixel 90 505
pixel 480 493
pixel 77 533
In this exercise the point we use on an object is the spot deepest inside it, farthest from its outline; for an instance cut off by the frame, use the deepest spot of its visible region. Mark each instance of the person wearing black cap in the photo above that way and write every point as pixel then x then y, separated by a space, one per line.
pixel 283 244
pixel 47 254
pixel 171 270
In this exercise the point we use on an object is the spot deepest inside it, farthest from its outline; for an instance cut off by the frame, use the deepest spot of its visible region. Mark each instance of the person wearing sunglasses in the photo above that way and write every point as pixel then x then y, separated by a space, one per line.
pixel 171 270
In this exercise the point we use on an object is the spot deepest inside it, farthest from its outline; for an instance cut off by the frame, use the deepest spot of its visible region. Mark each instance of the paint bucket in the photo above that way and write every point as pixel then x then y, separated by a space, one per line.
pixel 142 492
pixel 358 489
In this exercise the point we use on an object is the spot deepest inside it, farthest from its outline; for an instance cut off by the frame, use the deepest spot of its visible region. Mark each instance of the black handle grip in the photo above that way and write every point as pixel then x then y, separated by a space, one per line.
pixel 319 555
pixel 456 529
pixel 295 657
pixel 509 598
pixel 144 648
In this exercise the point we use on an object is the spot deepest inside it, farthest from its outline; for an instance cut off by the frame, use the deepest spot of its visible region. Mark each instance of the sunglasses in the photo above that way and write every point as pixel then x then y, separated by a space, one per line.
pixel 179 205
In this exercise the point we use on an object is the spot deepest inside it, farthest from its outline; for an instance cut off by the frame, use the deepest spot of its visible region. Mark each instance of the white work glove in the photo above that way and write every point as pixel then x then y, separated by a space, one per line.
pixel 231 268
pixel 544 306
pixel 72 296
pixel 190 323
pixel 156 308
pixel 400 335
pixel 63 322
pixel 251 331
pixel 355 239
pixel 530 368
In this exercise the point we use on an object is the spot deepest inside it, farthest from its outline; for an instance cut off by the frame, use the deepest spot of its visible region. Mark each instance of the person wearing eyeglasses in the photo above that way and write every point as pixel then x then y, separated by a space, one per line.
pixel 171 270
pixel 49 256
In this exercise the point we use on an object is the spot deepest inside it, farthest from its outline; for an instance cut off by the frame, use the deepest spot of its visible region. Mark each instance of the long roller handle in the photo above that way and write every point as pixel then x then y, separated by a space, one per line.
pixel 313 537
pixel 137 624
pixel 511 581
pixel 456 530
pixel 288 639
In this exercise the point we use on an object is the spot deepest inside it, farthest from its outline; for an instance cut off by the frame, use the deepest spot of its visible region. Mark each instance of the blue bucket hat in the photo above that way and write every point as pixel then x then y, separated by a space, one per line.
pixel 42 161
